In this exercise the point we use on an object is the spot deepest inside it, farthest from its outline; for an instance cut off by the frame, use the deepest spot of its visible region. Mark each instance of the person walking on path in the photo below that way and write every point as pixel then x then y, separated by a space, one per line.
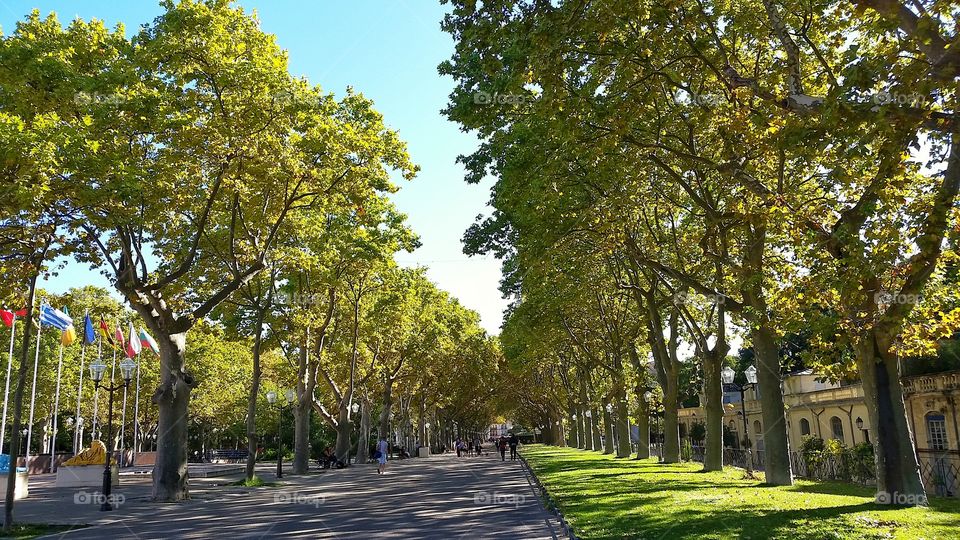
pixel 514 441
pixel 502 446
pixel 381 455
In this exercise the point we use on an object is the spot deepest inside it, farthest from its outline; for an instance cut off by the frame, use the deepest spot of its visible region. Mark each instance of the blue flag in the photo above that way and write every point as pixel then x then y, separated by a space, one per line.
pixel 54 317
pixel 89 334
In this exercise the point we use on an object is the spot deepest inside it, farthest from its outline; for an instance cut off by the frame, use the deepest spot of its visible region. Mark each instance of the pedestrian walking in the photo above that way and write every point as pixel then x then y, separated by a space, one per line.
pixel 514 441
pixel 502 446
pixel 381 455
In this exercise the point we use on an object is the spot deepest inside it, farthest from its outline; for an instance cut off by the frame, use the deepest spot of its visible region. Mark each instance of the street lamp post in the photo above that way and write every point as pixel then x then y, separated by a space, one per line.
pixel 727 374
pixel 611 427
pixel 97 369
pixel 271 399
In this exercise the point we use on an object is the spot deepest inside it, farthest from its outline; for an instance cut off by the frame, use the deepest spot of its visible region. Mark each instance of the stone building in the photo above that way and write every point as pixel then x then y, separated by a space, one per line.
pixel 836 411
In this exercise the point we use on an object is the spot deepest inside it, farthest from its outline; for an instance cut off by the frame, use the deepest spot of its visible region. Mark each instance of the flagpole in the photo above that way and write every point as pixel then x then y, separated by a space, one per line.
pixel 76 418
pixel 96 394
pixel 33 393
pixel 136 417
pixel 56 408
pixel 6 390
pixel 123 424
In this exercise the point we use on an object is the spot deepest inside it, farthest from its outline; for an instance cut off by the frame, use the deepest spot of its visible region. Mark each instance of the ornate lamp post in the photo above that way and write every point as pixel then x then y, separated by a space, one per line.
pixel 97 369
pixel 272 399
pixel 751 374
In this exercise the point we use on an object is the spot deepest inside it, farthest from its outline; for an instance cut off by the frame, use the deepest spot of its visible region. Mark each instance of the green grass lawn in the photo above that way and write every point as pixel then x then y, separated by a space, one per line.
pixel 604 497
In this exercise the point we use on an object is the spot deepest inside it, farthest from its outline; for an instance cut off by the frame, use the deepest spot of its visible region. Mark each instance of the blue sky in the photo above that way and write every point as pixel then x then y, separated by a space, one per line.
pixel 389 51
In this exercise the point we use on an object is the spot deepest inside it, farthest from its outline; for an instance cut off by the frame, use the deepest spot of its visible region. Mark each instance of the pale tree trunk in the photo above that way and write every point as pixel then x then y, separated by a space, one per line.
pixel 172 399
pixel 573 434
pixel 667 366
pixel 303 408
pixel 607 431
pixel 776 448
pixel 363 439
pixel 252 397
pixel 18 403
pixel 898 471
pixel 713 394
pixel 595 418
pixel 344 427
pixel 643 426
pixel 387 405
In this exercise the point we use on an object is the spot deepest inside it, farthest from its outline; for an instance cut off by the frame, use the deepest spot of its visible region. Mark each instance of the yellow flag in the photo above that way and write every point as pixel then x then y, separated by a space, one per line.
pixel 69 336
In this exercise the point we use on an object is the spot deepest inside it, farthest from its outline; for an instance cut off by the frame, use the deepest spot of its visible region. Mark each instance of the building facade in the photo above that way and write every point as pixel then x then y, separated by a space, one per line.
pixel 837 411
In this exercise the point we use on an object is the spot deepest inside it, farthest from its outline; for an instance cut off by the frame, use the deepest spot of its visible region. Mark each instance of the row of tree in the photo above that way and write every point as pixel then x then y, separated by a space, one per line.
pixel 669 173
pixel 218 192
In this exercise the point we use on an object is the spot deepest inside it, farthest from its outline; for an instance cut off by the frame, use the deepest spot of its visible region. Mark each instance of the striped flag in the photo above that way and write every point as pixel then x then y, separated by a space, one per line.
pixel 118 337
pixel 133 344
pixel 148 341
pixel 54 317
pixel 105 332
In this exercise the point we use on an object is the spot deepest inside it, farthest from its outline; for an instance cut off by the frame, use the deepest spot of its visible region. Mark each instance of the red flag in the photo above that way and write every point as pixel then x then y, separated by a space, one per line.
pixel 22 312
pixel 7 317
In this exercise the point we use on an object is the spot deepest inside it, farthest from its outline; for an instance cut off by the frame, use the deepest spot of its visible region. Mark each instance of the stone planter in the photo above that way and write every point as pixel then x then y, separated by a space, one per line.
pixel 21 489
pixel 84 476
pixel 423 451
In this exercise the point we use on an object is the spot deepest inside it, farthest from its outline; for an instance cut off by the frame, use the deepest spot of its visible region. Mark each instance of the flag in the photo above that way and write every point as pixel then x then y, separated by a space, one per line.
pixel 54 317
pixel 89 334
pixel 105 332
pixel 69 336
pixel 7 317
pixel 147 340
pixel 133 344
pixel 118 337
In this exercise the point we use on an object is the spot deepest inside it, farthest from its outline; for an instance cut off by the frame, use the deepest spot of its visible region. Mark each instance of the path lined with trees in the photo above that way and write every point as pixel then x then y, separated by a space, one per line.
pixel 669 174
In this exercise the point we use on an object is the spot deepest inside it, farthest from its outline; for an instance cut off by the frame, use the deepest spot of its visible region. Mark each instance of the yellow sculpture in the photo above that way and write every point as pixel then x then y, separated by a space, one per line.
pixel 95 455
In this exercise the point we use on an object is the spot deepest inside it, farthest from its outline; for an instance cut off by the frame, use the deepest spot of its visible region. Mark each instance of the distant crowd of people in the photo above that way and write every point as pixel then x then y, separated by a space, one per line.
pixel 474 446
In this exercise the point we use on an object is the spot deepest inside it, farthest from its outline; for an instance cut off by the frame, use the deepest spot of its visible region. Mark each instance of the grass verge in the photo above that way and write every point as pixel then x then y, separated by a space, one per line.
pixel 603 497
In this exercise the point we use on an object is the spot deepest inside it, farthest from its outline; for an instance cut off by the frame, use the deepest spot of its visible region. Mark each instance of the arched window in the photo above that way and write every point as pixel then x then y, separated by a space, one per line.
pixel 936 431
pixel 757 428
pixel 836 426
pixel 804 426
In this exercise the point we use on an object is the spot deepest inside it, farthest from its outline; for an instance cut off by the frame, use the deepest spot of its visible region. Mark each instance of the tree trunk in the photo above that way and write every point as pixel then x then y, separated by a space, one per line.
pixel 713 394
pixel 595 430
pixel 172 399
pixel 607 431
pixel 643 426
pixel 344 427
pixel 573 440
pixel 387 405
pixel 252 398
pixel 302 412
pixel 898 471
pixel 364 438
pixel 18 405
pixel 776 448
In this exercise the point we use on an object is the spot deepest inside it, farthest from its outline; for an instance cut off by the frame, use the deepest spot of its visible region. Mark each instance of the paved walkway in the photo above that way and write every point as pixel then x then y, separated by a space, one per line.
pixel 436 497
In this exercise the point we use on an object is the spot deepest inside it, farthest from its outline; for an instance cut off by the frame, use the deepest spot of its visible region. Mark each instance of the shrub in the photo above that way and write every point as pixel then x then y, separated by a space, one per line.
pixel 698 432
pixel 686 450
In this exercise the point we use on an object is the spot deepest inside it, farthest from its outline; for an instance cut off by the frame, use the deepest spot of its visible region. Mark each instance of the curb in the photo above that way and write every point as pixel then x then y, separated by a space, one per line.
pixel 546 501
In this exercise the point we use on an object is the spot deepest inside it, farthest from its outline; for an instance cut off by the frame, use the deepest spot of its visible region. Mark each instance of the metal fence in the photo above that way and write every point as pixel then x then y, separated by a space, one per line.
pixel 940 470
